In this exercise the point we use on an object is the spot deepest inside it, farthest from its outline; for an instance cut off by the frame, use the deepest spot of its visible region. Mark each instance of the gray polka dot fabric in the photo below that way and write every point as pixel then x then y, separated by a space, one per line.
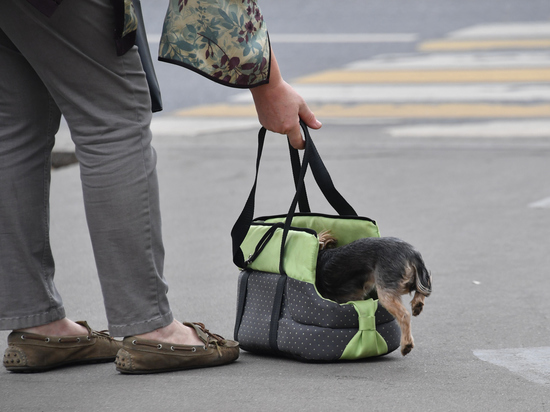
pixel 253 333
pixel 309 328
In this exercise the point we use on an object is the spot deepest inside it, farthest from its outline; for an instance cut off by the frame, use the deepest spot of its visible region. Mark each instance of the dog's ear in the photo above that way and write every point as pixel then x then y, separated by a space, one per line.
pixel 326 240
pixel 423 280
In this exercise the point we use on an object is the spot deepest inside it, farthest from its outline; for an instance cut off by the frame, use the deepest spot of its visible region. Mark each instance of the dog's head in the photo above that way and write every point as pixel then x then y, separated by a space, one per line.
pixel 341 275
pixel 326 240
pixel 342 286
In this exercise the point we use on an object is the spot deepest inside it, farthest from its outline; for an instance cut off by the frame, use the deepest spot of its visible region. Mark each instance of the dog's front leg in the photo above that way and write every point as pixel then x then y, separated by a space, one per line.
pixel 393 304
pixel 417 303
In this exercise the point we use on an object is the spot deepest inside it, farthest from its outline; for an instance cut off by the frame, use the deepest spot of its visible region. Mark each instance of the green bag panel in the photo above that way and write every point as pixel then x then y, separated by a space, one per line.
pixel 302 248
pixel 345 229
pixel 367 341
pixel 301 251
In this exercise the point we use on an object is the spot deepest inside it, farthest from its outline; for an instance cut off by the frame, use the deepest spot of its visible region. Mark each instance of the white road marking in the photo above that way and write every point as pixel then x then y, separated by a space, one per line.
pixel 493 129
pixel 504 31
pixel 438 61
pixel 532 364
pixel 417 93
pixel 542 204
pixel 185 127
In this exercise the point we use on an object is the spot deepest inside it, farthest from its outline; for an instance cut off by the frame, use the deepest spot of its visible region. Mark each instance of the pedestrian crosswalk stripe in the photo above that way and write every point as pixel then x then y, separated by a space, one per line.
pixel 509 30
pixel 185 126
pixel 444 45
pixel 220 110
pixel 439 61
pixel 428 76
pixel 383 93
pixel 447 110
pixel 517 128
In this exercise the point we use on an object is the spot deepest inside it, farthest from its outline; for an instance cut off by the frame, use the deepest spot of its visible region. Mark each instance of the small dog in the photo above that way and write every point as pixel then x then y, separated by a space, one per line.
pixel 387 266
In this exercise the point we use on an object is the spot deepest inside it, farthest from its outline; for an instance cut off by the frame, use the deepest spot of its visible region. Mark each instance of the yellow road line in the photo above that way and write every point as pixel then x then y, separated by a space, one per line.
pixel 441 45
pixel 219 110
pixel 446 110
pixel 428 76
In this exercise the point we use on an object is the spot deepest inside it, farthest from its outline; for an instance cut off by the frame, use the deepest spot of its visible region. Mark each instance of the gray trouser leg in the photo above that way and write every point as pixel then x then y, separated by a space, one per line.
pixel 69 62
pixel 29 119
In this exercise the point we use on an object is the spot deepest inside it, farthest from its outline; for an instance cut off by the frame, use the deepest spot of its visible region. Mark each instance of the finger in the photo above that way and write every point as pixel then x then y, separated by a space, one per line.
pixel 295 138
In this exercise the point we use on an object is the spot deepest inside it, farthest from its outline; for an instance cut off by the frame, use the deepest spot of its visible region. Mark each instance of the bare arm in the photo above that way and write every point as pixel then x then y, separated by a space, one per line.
pixel 280 107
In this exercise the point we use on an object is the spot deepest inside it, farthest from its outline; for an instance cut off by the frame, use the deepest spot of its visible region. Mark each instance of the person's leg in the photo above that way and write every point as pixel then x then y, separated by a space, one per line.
pixel 29 119
pixel 106 103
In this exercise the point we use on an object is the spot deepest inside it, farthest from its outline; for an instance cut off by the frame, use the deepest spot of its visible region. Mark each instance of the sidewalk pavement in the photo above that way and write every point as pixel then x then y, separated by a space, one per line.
pixel 482 342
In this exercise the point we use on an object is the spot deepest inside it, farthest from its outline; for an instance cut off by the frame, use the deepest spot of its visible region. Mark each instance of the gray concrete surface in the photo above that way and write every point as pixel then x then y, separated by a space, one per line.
pixel 463 202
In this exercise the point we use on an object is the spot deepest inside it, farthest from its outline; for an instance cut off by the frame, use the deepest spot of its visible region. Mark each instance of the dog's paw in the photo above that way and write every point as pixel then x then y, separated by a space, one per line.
pixel 417 308
pixel 405 349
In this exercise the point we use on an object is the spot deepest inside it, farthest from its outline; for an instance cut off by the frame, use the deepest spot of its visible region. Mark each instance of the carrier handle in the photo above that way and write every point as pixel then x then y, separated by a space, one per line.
pixel 322 178
pixel 303 202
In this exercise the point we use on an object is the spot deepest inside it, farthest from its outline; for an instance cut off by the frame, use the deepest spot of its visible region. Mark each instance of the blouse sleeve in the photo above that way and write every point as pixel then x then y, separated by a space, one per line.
pixel 126 24
pixel 223 40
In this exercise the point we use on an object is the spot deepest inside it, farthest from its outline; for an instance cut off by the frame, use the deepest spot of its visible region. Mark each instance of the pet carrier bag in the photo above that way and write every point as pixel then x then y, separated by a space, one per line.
pixel 279 310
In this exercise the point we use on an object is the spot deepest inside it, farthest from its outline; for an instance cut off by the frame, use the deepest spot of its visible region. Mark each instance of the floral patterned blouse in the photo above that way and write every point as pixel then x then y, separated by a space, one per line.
pixel 223 40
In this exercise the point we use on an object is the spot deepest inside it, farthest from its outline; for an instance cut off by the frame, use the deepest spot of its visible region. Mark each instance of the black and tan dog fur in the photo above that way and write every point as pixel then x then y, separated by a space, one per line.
pixel 387 265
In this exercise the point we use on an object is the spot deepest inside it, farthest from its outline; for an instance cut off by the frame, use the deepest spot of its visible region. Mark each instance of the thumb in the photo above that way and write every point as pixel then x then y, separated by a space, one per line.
pixel 308 117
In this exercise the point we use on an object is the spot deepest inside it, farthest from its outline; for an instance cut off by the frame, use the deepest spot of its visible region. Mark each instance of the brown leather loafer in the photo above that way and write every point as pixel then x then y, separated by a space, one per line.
pixel 147 356
pixel 29 352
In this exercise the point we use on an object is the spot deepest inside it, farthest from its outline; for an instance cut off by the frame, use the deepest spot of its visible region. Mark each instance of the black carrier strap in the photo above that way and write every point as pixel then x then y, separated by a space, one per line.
pixel 322 178
pixel 276 314
pixel 241 300
pixel 303 202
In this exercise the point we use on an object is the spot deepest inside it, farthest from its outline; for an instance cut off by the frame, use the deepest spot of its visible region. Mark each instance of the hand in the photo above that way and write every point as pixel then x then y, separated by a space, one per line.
pixel 280 108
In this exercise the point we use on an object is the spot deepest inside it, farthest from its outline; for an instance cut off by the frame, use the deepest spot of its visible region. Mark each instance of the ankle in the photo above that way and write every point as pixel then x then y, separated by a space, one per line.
pixel 176 333
pixel 62 327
